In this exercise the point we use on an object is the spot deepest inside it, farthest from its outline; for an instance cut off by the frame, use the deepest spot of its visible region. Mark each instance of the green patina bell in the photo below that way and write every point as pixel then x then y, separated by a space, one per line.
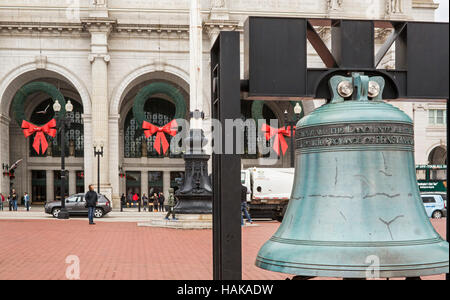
pixel 355 209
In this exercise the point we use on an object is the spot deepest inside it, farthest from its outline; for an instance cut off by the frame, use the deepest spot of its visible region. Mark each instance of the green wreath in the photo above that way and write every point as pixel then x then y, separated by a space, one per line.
pixel 30 88
pixel 257 109
pixel 158 88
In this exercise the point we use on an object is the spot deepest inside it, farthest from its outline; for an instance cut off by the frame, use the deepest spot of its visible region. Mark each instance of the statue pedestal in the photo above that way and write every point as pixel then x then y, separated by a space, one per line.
pixel 195 195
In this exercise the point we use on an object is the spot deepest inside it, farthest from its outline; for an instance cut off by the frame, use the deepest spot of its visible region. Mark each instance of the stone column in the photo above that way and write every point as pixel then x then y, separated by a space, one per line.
pixel 4 152
pixel 166 183
pixel 72 182
pixel 144 183
pixel 114 159
pixel 50 185
pixel 100 29
pixel 88 152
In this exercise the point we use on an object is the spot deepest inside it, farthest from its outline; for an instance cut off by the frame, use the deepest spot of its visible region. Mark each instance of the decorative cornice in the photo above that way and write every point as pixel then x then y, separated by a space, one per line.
pixel 99 24
pixel 151 28
pixel 41 27
pixel 229 25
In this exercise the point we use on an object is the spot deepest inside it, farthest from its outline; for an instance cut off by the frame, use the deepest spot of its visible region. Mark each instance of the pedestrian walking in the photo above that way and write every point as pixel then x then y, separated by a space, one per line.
pixel 145 201
pixel 2 201
pixel 244 206
pixel 14 200
pixel 91 198
pixel 123 200
pixel 26 201
pixel 161 200
pixel 9 202
pixel 170 205
pixel 155 199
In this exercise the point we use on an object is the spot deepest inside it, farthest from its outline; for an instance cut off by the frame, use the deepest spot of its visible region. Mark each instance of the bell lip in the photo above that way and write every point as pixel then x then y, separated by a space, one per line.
pixel 343 273
pixel 352 270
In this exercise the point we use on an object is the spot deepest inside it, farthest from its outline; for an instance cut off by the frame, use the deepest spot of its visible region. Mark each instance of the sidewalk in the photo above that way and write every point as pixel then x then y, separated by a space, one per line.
pixel 37 249
pixel 128 215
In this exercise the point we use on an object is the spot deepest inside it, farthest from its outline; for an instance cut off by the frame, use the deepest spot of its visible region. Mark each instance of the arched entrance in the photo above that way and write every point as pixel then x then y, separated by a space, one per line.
pixel 39 172
pixel 159 99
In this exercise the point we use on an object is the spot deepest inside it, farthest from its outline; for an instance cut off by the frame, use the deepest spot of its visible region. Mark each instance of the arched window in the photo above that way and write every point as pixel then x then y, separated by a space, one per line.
pixel 158 112
pixel 74 143
pixel 438 156
pixel 251 137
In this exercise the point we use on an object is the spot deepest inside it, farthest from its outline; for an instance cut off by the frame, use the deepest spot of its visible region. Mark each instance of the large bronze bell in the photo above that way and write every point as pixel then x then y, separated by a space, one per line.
pixel 355 208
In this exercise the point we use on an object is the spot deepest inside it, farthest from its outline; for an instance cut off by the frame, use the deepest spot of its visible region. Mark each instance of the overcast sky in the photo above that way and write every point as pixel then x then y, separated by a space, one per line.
pixel 442 12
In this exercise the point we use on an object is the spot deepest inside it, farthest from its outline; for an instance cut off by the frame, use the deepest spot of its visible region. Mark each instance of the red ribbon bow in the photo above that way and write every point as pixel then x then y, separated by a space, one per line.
pixel 40 139
pixel 279 137
pixel 150 129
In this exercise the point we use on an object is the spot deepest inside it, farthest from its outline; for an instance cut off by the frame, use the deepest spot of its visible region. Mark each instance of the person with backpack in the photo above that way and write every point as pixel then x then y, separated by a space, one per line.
pixel 171 204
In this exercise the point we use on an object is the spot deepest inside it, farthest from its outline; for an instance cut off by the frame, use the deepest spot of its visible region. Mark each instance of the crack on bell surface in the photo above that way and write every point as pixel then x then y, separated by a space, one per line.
pixel 388 224
pixel 381 194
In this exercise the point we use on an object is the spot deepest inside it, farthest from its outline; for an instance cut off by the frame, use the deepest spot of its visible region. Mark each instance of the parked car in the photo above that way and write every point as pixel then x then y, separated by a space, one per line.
pixel 435 204
pixel 76 205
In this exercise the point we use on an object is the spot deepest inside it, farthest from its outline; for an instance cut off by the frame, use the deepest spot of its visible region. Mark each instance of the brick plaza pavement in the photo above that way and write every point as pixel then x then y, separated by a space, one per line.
pixel 37 249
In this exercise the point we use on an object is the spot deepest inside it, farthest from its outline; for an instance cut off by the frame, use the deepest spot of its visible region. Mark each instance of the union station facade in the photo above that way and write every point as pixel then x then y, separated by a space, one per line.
pixel 101 54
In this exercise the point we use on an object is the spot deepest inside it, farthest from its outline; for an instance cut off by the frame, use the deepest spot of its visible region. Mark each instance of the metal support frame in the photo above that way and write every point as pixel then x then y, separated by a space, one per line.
pixel 98 154
pixel 226 104
pixel 275 51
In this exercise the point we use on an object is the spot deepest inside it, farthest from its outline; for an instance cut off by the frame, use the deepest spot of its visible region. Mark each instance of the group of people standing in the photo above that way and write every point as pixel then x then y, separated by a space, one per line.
pixel 156 201
pixel 12 201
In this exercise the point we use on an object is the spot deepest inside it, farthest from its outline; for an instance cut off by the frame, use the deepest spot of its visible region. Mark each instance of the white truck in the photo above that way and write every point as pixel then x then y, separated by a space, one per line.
pixel 269 190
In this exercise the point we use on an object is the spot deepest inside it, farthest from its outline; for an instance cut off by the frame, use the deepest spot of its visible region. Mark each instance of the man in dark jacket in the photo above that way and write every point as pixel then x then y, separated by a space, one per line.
pixel 91 198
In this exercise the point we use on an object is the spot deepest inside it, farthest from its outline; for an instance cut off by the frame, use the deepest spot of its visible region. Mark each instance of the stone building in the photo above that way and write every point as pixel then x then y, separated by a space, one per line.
pixel 100 54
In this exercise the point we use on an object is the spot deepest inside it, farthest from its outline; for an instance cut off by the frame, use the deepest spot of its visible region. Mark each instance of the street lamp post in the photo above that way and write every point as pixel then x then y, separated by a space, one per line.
pixel 291 124
pixel 98 154
pixel 63 122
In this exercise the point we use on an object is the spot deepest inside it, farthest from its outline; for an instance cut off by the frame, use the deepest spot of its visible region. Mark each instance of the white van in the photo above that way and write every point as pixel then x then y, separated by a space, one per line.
pixel 270 189
pixel 435 204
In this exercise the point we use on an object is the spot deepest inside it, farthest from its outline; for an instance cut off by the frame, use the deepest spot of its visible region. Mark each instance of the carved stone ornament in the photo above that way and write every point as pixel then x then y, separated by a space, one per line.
pixel 99 3
pixel 394 7
pixel 334 4
pixel 218 3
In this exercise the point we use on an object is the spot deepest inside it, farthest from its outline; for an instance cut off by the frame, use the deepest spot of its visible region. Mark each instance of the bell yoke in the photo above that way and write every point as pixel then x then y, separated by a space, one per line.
pixel 355 203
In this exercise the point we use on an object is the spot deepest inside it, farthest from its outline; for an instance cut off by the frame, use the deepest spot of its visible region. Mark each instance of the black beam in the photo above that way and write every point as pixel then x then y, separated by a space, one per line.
pixel 427 59
pixel 353 43
pixel 447 276
pixel 226 104
pixel 275 57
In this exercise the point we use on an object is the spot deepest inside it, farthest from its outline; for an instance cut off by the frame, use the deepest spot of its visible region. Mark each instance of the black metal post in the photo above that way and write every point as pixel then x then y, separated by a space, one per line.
pixel 63 214
pixel 447 276
pixel 291 124
pixel 225 103
pixel 98 154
